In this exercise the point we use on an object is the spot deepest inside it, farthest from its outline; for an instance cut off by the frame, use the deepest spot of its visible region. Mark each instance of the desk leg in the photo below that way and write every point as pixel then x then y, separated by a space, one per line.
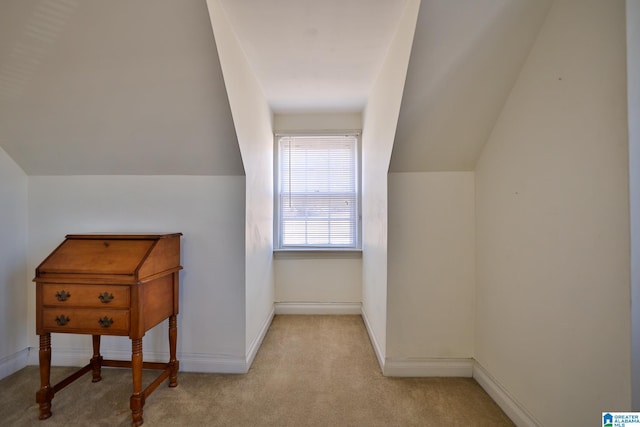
pixel 173 362
pixel 137 398
pixel 45 394
pixel 96 360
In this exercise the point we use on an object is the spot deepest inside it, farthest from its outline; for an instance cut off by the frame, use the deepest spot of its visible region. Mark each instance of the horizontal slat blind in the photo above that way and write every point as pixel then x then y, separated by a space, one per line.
pixel 318 197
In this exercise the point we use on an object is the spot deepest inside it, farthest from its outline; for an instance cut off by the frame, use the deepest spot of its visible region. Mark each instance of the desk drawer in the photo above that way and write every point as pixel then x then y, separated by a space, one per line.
pixel 86 321
pixel 99 296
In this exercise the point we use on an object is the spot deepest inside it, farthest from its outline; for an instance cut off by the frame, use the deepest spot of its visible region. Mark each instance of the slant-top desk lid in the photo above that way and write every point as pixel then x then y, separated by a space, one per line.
pixel 129 258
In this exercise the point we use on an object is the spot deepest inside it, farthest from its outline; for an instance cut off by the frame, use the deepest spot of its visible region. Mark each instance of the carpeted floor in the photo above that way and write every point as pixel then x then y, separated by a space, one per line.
pixel 310 371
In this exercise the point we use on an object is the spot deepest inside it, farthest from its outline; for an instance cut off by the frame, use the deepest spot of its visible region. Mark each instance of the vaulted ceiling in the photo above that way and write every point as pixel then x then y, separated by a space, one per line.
pixel 135 87
pixel 466 56
pixel 113 87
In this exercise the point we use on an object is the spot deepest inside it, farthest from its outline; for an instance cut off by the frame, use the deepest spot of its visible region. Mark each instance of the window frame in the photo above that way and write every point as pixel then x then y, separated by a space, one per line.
pixel 277 241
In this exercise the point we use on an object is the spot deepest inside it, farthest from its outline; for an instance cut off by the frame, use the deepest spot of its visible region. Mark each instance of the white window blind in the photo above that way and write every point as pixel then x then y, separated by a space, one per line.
pixel 317 191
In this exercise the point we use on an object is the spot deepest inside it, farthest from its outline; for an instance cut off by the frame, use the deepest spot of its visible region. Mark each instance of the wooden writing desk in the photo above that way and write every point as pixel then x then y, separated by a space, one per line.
pixel 109 284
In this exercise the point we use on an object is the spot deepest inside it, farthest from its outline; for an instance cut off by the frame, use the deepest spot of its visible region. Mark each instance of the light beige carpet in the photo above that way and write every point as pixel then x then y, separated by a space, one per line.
pixel 310 371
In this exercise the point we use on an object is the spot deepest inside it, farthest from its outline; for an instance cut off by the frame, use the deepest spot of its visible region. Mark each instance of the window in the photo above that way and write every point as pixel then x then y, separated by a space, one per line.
pixel 317 192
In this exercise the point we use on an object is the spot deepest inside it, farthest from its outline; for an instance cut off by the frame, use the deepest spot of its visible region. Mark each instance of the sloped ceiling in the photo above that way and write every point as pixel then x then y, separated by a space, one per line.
pixel 466 56
pixel 135 87
pixel 113 87
pixel 315 56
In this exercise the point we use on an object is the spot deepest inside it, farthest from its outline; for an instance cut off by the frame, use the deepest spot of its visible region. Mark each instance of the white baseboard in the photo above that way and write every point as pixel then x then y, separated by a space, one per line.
pixel 332 308
pixel 14 362
pixel 514 410
pixel 374 342
pixel 189 362
pixel 257 342
pixel 428 367
pixel 67 357
pixel 81 356
pixel 211 363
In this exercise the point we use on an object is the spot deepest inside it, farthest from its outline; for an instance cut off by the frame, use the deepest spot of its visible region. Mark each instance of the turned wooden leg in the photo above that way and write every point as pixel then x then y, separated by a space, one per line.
pixel 173 361
pixel 96 360
pixel 137 398
pixel 45 394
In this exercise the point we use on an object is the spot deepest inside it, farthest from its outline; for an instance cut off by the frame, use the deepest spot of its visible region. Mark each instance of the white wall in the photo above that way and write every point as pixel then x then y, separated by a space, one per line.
pixel 317 122
pixel 14 283
pixel 253 121
pixel 633 91
pixel 209 211
pixel 318 278
pixel 431 272
pixel 379 127
pixel 553 317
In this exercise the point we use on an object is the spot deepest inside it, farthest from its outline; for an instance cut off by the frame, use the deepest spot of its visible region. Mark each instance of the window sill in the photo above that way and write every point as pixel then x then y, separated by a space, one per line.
pixel 317 253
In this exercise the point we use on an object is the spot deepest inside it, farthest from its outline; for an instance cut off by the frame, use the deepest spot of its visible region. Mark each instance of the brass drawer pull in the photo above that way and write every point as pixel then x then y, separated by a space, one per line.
pixel 105 298
pixel 62 295
pixel 62 320
pixel 105 322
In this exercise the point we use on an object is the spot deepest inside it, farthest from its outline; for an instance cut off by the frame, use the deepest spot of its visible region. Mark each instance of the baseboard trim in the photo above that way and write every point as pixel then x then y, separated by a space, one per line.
pixel 13 362
pixel 428 367
pixel 211 363
pixel 257 342
pixel 81 356
pixel 514 410
pixel 374 342
pixel 189 362
pixel 66 357
pixel 323 308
